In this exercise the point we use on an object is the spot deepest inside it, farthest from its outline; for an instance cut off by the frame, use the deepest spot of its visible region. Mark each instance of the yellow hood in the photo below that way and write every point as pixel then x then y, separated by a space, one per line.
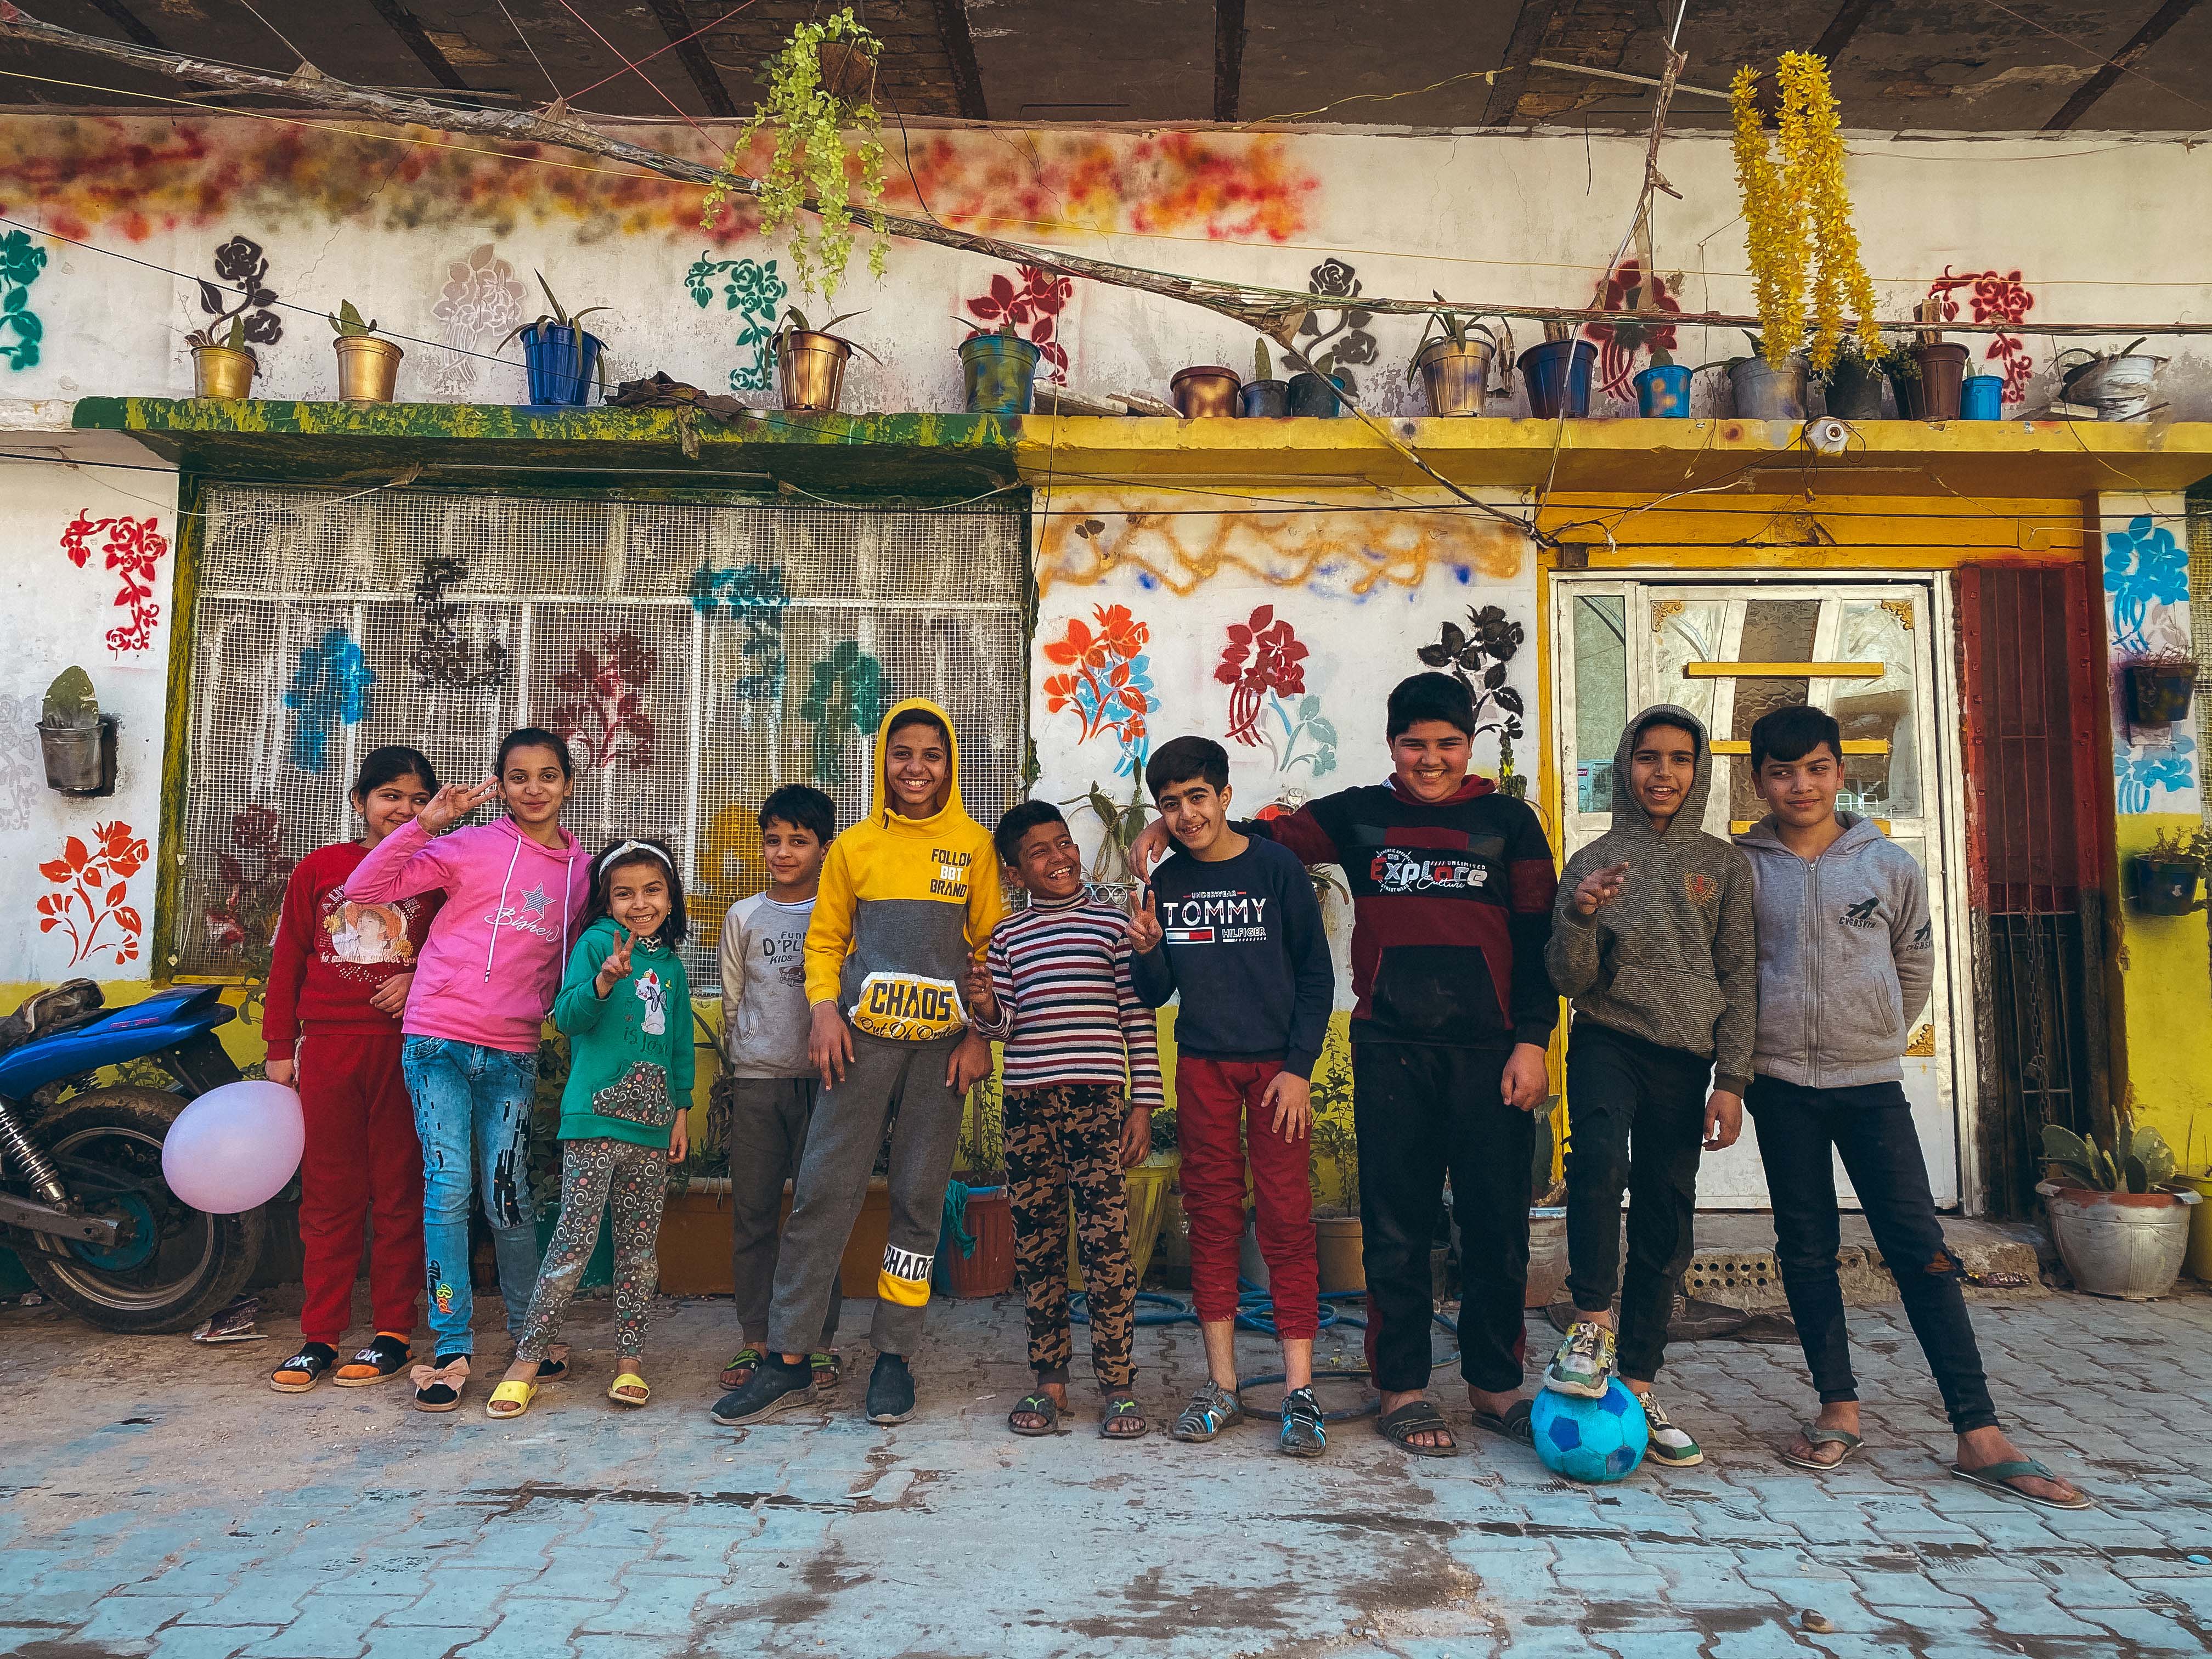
pixel 880 807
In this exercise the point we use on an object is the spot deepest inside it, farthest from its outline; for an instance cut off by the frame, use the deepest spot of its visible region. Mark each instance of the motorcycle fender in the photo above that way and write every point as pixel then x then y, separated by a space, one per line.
pixel 198 1065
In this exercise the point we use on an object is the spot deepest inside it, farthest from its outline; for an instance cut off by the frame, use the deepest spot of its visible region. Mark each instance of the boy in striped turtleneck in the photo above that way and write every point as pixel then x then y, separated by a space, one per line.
pixel 1082 1077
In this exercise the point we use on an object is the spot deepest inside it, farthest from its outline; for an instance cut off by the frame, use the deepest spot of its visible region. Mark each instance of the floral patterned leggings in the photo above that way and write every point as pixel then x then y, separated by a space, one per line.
pixel 595 1175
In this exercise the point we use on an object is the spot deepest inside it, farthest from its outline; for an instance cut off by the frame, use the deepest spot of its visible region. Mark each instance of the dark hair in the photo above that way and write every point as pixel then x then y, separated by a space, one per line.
pixel 1180 759
pixel 1429 698
pixel 620 856
pixel 1018 822
pixel 389 764
pixel 536 736
pixel 906 717
pixel 803 807
pixel 1793 731
pixel 1675 722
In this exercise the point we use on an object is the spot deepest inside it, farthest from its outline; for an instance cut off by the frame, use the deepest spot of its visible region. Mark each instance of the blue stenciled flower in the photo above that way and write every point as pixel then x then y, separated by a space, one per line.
pixel 2144 565
pixel 329 686
pixel 2139 774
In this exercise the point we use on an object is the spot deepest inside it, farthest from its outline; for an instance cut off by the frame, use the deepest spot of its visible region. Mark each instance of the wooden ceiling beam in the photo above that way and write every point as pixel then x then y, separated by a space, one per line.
pixel 1526 42
pixel 122 16
pixel 960 49
pixel 1228 59
pixel 409 29
pixel 713 93
pixel 2118 64
pixel 1841 27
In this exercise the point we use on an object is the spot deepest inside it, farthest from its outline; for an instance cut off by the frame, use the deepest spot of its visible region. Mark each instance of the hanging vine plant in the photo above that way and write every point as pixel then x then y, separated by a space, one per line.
pixel 820 92
pixel 1797 214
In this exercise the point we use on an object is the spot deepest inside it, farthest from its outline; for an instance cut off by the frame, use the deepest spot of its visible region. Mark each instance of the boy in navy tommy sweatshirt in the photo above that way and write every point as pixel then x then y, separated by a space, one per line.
pixel 1233 924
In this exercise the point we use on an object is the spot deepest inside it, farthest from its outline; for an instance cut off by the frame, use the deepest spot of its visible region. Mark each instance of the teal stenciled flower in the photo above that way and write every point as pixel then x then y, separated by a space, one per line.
pixel 20 261
pixel 2144 565
pixel 844 694
pixel 329 688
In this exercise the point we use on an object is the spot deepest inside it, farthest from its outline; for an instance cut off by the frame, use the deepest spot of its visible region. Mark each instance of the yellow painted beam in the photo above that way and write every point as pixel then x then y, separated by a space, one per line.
pixel 1782 671
pixel 1851 746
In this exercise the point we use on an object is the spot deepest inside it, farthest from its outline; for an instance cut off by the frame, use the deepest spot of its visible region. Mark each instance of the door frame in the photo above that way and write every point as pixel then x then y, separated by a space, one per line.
pixel 1948 801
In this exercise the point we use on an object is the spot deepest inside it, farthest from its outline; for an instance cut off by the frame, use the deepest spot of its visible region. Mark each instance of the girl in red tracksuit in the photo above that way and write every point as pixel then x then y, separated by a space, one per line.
pixel 338 978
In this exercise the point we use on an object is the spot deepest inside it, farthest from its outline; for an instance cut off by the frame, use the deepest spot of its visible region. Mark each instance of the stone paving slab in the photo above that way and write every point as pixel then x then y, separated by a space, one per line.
pixel 160 1501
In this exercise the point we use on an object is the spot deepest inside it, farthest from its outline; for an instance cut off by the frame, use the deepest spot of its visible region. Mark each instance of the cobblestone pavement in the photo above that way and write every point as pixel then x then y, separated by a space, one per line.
pixel 161 1500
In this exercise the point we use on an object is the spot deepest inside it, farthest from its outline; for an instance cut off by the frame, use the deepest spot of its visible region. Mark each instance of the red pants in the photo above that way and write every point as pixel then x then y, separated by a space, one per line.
pixel 362 1159
pixel 1213 1098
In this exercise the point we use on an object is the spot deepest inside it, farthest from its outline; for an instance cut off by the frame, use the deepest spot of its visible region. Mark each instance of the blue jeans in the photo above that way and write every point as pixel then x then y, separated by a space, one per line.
pixel 473 1108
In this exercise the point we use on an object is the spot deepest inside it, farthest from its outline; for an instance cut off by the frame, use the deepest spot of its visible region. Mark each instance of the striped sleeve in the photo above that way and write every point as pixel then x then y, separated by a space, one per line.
pixel 1140 1033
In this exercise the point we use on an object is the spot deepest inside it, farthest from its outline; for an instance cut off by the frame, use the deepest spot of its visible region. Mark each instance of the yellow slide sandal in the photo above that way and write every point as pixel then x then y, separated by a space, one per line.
pixel 510 1399
pixel 628 1380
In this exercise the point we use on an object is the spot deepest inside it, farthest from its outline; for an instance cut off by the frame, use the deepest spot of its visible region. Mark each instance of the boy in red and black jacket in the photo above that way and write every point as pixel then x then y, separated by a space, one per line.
pixel 1452 886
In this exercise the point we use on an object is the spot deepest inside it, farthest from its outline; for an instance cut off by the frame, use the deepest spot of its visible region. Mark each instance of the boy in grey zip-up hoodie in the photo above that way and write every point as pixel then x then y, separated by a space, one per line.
pixel 1846 960
pixel 1652 942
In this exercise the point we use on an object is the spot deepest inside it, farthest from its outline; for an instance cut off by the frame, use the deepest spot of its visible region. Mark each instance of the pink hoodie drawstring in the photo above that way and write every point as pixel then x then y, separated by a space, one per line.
pixel 499 910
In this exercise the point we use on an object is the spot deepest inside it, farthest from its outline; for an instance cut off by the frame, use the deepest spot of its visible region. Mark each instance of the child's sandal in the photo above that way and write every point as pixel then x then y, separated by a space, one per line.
pixel 1035 1404
pixel 438 1387
pixel 304 1368
pixel 1119 1413
pixel 629 1390
pixel 742 1368
pixel 829 1371
pixel 380 1361
pixel 510 1400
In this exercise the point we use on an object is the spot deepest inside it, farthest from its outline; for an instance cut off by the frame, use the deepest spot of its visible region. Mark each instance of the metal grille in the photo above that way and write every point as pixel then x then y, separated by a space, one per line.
pixel 2200 628
pixel 696 655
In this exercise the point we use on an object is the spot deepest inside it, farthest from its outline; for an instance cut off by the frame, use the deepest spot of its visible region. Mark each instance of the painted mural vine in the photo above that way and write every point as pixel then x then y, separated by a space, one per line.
pixel 1476 656
pixel 1108 682
pixel 442 657
pixel 752 288
pixel 1263 666
pixel 2145 566
pixel 21 262
pixel 1620 344
pixel 1032 302
pixel 2139 774
pixel 330 688
pixel 1339 346
pixel 92 904
pixel 756 597
pixel 844 696
pixel 1994 296
pixel 241 269
pixel 605 714
pixel 132 549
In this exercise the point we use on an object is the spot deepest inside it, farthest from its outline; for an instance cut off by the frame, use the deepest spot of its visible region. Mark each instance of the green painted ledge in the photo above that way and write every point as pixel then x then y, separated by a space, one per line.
pixel 840 455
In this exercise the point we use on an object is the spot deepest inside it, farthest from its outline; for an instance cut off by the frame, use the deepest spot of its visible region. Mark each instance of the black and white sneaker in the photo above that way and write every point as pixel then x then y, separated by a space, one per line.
pixel 775 1387
pixel 890 1390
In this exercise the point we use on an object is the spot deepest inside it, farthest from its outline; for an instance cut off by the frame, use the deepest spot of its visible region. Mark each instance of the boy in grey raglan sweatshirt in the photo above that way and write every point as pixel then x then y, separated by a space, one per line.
pixel 1652 942
pixel 1846 959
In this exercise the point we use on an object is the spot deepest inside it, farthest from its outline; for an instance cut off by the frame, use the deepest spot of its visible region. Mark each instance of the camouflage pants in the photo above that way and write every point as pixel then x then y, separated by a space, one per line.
pixel 1064 1141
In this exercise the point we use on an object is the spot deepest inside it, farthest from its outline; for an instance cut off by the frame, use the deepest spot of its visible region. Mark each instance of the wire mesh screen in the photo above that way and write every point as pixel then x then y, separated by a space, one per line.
pixel 2199 524
pixel 695 655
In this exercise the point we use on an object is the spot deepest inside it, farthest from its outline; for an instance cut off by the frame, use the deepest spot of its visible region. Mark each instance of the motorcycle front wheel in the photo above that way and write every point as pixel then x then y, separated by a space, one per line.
pixel 171 1265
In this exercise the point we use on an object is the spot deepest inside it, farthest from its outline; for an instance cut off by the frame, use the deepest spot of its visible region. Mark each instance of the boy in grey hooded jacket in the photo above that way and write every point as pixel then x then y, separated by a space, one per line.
pixel 1652 941
pixel 1846 960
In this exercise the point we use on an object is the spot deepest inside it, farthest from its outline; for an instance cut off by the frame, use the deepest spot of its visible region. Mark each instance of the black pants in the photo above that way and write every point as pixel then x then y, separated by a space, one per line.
pixel 1419 1111
pixel 1870 1129
pixel 1636 1119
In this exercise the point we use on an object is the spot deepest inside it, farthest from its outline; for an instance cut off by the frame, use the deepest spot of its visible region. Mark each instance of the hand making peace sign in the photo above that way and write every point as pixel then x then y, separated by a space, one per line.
pixel 453 803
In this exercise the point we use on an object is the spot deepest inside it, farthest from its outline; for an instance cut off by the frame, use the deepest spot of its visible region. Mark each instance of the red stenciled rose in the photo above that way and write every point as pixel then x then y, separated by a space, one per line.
pixel 1263 654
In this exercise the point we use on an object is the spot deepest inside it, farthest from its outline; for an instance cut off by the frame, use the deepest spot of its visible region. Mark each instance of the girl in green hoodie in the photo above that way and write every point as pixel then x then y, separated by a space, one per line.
pixel 625 1006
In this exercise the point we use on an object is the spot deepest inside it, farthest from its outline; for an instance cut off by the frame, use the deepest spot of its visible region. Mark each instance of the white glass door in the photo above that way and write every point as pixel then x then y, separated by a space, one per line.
pixel 1728 652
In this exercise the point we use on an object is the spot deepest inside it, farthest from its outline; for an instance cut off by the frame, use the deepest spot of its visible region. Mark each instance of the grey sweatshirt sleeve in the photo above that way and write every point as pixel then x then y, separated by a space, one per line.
pixel 732 962
pixel 1573 956
pixel 1911 938
pixel 1735 963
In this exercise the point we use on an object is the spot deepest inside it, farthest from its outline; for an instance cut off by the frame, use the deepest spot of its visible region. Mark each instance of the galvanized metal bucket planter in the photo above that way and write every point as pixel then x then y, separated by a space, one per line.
pixel 810 369
pixel 2128 1245
pixel 1456 377
pixel 999 372
pixel 2118 386
pixel 1764 392
pixel 79 760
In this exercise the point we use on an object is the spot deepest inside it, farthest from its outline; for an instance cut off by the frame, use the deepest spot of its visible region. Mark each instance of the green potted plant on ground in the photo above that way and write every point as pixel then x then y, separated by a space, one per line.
pixel 809 362
pixel 1337 1235
pixel 2166 875
pixel 2120 1220
pixel 368 364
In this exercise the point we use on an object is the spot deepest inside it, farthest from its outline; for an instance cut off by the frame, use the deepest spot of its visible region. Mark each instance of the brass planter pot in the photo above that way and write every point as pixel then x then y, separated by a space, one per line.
pixel 369 369
pixel 1456 376
pixel 219 372
pixel 810 369
pixel 1208 389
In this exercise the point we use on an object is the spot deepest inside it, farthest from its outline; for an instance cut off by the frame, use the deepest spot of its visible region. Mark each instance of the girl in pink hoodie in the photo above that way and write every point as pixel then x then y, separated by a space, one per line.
pixel 514 896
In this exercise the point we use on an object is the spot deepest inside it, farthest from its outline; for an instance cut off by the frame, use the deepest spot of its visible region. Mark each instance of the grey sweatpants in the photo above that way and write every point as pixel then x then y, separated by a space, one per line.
pixel 833 1181
pixel 769 1118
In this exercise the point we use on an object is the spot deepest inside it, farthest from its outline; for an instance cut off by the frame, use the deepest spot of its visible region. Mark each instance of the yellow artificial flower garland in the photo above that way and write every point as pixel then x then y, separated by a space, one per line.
pixel 1797 214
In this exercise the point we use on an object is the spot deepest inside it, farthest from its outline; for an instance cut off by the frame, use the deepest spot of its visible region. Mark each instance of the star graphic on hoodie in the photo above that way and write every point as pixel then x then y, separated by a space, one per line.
pixel 532 908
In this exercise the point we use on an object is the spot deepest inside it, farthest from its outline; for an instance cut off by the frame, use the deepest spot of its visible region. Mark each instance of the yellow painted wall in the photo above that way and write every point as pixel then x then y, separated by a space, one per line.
pixel 2165 1017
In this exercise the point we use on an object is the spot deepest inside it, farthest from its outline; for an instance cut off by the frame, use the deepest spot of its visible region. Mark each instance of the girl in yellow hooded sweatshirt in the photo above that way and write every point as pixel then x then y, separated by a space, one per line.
pixel 908 900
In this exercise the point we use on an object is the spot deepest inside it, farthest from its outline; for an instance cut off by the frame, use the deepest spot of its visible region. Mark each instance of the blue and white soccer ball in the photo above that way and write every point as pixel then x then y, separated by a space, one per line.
pixel 1592 1441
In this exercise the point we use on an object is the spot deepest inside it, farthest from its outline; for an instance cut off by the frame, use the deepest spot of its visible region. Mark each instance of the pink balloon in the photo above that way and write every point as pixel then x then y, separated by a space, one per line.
pixel 235 1147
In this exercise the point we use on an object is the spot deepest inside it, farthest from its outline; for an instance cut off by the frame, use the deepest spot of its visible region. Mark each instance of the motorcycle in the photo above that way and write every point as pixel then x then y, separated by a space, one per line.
pixel 83 1201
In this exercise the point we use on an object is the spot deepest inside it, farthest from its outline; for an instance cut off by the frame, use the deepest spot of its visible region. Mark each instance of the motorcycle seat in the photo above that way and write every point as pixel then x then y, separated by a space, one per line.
pixel 59 1008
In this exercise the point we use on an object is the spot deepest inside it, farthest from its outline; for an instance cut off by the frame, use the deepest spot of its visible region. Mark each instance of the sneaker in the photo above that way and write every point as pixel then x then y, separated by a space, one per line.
pixel 1583 1365
pixel 1305 1431
pixel 890 1390
pixel 1212 1409
pixel 775 1387
pixel 1670 1448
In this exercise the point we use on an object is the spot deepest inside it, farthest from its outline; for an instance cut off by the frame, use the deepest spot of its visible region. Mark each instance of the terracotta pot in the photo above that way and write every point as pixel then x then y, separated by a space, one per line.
pixel 1337 1249
pixel 1934 395
pixel 810 369
pixel 990 1270
pixel 1206 390
pixel 369 369
pixel 219 372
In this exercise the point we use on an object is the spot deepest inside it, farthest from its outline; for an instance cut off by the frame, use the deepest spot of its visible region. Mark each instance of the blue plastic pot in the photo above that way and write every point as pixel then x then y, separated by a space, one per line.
pixel 1663 391
pixel 562 363
pixel 1312 395
pixel 1558 376
pixel 1981 397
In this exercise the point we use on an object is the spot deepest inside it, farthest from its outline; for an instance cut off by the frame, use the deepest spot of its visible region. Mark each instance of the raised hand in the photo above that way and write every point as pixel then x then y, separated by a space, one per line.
pixel 1599 888
pixel 1145 934
pixel 616 968
pixel 453 802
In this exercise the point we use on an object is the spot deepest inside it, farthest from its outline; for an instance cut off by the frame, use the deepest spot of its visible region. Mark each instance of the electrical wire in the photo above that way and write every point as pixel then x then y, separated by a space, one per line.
pixel 704 29
pixel 632 67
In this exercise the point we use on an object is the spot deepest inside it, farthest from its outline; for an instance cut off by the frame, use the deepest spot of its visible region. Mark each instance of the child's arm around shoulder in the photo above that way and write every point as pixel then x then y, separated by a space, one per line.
pixel 1911 931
